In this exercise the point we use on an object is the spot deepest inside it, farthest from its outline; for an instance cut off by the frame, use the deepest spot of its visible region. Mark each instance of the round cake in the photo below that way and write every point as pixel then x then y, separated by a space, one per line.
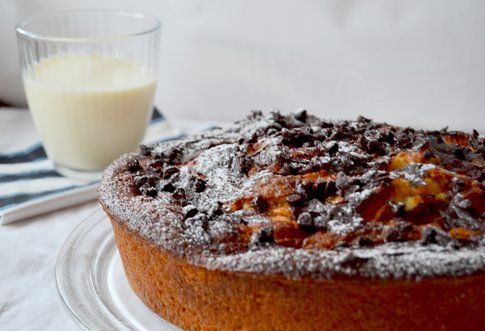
pixel 294 223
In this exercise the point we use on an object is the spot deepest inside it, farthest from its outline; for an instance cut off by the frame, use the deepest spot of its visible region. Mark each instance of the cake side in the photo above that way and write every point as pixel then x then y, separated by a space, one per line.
pixel 196 298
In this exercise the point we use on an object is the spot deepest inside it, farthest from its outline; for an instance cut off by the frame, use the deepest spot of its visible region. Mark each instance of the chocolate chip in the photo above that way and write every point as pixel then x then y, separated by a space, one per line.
pixel 319 137
pixel 399 232
pixel 296 168
pixel 301 116
pixel 397 208
pixel 246 164
pixel 199 221
pixel 409 130
pixel 170 171
pixel 324 188
pixel 285 170
pixel 305 189
pixel 260 204
pixel 253 138
pixel 179 194
pixel 189 211
pixel 271 132
pixel 351 261
pixel 146 150
pixel 156 166
pixel 431 235
pixel 296 137
pixel 363 119
pixel 168 187
pixel 457 184
pixel 275 126
pixel 216 210
pixel 364 242
pixel 390 138
pixel 459 153
pixel 262 236
pixel 403 140
pixel 376 147
pixel 140 180
pixel 255 115
pixel 340 134
pixel 305 220
pixel 321 222
pixel 149 191
pixel 363 143
pixel 133 166
pixel 394 235
pixel 286 121
pixel 333 149
pixel 174 155
pixel 428 154
pixel 294 199
pixel 200 185
pixel 327 125
pixel 147 180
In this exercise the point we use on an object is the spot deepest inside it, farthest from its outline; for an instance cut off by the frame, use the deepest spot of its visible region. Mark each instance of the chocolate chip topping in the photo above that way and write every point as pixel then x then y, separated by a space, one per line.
pixel 200 185
pixel 189 211
pixel 324 188
pixel 305 220
pixel 294 199
pixel 262 236
pixel 133 166
pixel 169 172
pixel 302 197
pixel 260 204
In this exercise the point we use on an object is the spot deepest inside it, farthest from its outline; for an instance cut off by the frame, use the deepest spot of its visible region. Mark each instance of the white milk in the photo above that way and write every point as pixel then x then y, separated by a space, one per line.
pixel 89 109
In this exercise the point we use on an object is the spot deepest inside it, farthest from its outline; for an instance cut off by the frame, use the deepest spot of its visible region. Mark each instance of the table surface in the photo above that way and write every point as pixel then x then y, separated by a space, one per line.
pixel 28 248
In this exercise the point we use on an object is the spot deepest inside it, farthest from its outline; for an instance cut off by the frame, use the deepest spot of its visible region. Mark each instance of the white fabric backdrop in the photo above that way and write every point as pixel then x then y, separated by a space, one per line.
pixel 408 62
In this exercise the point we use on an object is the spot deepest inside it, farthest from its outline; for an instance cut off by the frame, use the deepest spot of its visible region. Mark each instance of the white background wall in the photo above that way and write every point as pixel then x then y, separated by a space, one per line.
pixel 410 62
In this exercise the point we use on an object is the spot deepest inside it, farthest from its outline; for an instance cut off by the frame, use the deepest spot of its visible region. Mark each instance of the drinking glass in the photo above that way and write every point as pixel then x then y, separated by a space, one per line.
pixel 90 78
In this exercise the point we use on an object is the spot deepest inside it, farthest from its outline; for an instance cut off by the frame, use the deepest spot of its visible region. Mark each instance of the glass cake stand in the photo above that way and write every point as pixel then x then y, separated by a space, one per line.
pixel 92 284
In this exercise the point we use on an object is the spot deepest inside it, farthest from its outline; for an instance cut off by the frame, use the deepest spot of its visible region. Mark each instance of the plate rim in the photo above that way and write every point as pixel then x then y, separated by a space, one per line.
pixel 102 315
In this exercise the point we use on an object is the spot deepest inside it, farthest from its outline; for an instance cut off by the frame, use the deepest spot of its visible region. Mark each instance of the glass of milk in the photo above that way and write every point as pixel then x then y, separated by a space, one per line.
pixel 90 78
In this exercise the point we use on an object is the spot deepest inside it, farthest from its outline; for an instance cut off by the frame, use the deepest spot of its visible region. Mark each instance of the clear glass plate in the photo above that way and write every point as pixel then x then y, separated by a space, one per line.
pixel 92 284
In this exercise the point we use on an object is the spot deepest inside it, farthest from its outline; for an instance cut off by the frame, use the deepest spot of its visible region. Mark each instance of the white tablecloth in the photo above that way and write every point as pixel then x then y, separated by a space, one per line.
pixel 28 249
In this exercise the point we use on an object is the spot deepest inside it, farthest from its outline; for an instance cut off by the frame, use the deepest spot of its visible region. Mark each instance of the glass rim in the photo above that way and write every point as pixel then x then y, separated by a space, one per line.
pixel 23 31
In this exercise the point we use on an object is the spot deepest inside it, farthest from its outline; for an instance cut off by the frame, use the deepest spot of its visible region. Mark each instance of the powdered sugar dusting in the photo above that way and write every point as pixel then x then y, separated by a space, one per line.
pixel 181 196
pixel 387 261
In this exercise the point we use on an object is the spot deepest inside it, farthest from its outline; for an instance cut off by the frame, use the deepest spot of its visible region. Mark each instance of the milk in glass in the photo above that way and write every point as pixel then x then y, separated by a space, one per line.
pixel 89 109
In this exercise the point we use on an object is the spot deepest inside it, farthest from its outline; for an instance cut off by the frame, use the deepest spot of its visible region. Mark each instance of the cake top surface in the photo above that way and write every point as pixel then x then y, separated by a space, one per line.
pixel 301 197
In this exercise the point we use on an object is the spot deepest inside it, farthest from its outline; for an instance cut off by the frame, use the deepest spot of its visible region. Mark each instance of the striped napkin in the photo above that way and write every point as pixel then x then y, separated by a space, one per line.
pixel 29 185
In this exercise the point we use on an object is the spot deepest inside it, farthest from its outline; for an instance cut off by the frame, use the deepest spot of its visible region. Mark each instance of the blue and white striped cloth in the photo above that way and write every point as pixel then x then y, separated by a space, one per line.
pixel 29 185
